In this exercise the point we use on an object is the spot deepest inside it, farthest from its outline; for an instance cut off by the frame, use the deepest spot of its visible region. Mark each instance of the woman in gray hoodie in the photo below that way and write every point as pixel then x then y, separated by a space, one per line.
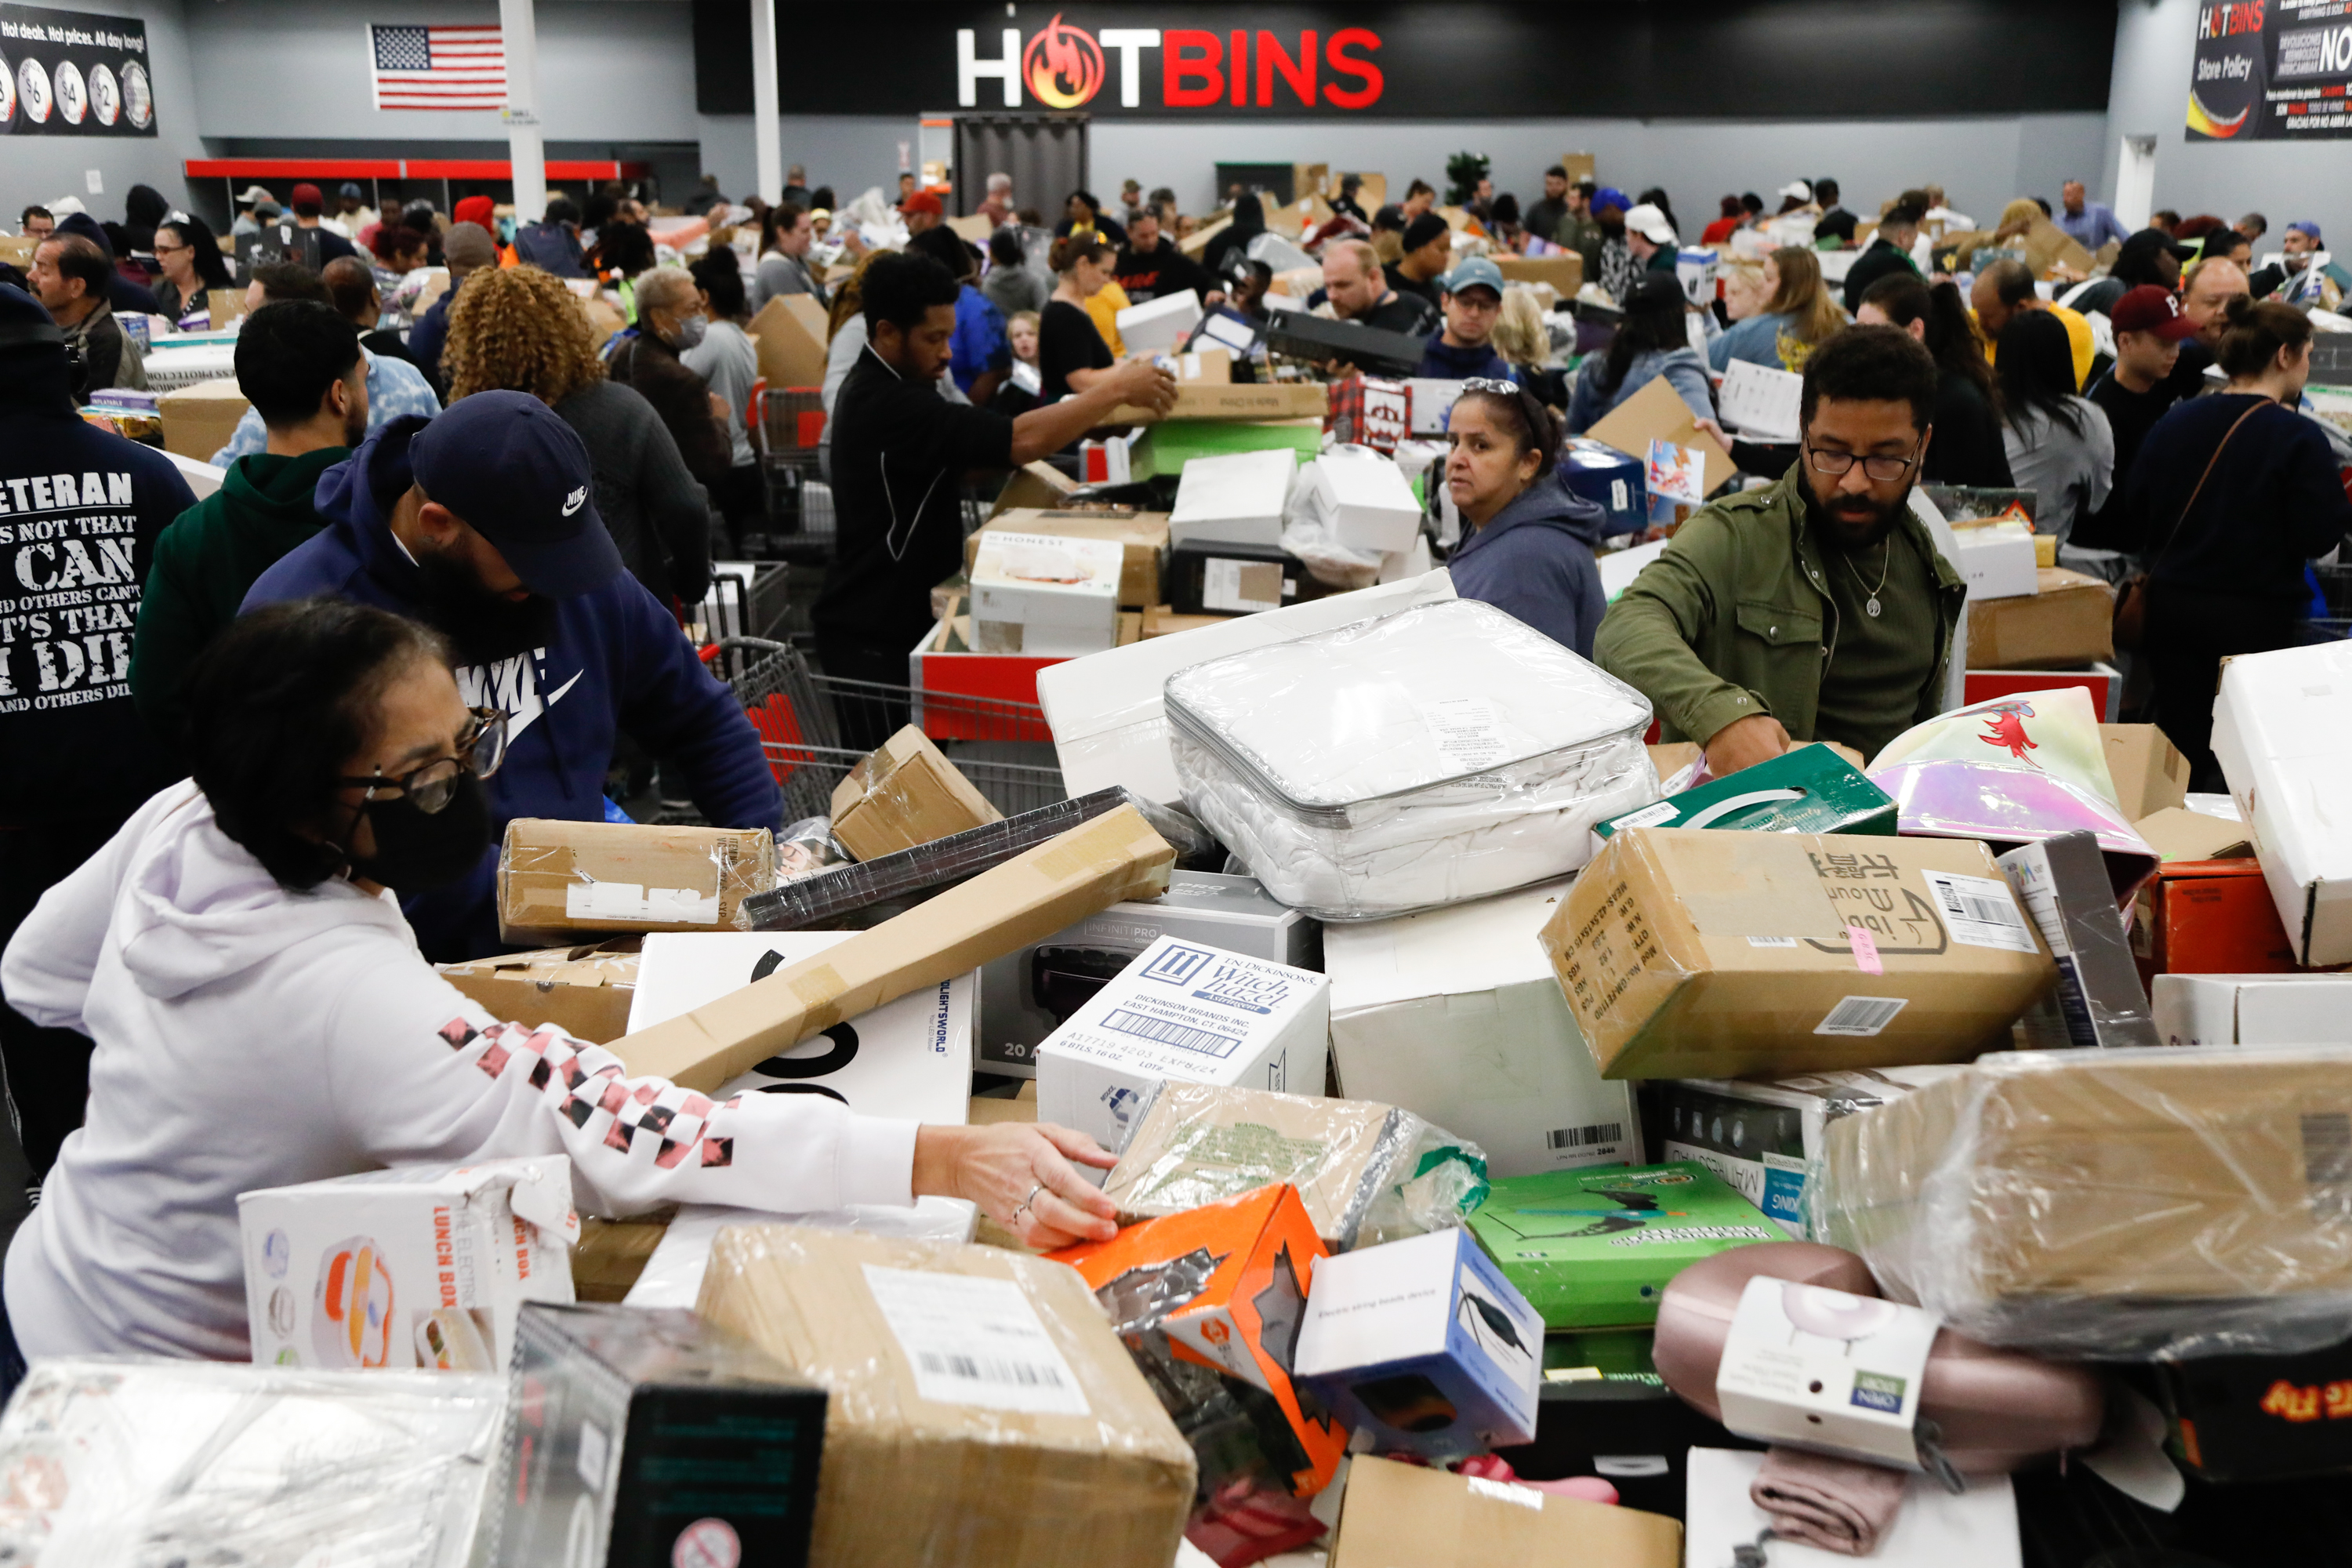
pixel 1527 544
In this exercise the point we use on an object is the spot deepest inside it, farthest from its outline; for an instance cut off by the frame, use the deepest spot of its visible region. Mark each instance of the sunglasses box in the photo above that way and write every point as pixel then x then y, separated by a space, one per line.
pixel 903 793
pixel 1224 1287
pixel 556 877
pixel 584 990
pixel 1424 1344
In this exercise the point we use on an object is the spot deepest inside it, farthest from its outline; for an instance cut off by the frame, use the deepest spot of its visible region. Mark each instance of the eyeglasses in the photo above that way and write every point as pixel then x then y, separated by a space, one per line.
pixel 1883 470
pixel 434 785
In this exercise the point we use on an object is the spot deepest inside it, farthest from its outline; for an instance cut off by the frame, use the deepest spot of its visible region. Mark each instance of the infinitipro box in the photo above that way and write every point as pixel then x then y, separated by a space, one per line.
pixel 1184 1011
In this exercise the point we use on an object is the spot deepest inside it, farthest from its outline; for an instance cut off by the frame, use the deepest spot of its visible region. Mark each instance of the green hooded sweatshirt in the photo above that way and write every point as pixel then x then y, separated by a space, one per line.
pixel 204 563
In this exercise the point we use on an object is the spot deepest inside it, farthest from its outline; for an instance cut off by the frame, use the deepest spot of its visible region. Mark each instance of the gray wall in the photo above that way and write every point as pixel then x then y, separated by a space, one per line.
pixel 41 168
pixel 847 153
pixel 2155 41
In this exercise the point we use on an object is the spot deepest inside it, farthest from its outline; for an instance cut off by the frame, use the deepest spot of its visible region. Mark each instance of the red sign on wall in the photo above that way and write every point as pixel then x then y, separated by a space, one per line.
pixel 1066 67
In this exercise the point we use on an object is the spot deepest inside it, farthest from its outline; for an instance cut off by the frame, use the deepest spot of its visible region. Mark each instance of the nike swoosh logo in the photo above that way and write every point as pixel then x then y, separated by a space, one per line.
pixel 557 695
pixel 576 500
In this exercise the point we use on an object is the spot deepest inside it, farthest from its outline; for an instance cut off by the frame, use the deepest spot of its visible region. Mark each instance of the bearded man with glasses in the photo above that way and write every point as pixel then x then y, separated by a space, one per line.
pixel 1819 609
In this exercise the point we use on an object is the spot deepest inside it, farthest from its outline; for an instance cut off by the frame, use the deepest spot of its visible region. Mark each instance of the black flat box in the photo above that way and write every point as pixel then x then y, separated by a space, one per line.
pixel 1207 577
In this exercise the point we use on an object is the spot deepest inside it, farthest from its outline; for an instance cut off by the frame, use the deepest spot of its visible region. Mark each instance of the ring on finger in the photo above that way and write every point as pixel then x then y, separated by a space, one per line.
pixel 1031 1198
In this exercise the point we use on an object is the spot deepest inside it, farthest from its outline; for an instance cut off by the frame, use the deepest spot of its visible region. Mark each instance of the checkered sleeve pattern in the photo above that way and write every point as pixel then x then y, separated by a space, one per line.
pixel 587 1086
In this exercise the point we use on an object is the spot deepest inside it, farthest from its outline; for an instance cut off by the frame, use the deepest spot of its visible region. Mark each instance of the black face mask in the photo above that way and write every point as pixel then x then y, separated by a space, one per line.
pixel 414 851
pixel 483 626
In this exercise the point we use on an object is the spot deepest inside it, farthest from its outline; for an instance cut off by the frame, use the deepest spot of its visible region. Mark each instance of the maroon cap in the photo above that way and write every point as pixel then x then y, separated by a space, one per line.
pixel 306 197
pixel 2150 309
pixel 922 202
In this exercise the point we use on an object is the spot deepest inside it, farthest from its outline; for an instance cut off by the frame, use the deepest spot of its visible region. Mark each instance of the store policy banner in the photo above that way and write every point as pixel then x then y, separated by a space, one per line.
pixel 73 73
pixel 2272 71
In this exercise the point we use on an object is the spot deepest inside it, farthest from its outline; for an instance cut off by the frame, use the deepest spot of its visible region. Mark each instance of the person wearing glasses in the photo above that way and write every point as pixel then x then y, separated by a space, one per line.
pixel 484 524
pixel 263 1019
pixel 1818 609
pixel 1464 346
pixel 1527 545
pixel 193 265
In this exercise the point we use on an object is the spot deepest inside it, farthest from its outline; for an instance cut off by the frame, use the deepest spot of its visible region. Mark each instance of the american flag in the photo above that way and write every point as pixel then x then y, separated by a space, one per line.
pixel 437 68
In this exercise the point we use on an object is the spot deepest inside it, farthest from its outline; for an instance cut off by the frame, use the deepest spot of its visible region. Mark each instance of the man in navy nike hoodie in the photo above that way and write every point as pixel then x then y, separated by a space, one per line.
pixel 481 524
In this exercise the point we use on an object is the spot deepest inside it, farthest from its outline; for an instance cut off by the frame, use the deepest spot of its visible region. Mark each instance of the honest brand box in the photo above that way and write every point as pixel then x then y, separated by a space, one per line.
pixel 1142 537
pixel 1046 595
pixel 1424 1344
pixel 1186 1012
pixel 556 877
pixel 2252 1009
pixel 425 1267
pixel 905 794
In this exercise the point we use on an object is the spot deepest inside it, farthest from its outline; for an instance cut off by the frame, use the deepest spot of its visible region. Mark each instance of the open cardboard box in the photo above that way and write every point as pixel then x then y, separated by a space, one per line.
pixel 790 332
pixel 584 990
pixel 1657 412
pixel 2068 619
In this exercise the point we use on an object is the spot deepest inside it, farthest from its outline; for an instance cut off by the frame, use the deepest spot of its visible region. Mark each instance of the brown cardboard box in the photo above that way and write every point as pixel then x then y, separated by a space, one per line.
pixel 1075 1466
pixel 988 1110
pixel 557 877
pixel 223 306
pixel 793 332
pixel 2068 619
pixel 16 250
pixel 1691 953
pixel 1196 244
pixel 1234 400
pixel 583 990
pixel 903 793
pixel 1564 273
pixel 1580 166
pixel 1159 621
pixel 198 420
pixel 1026 900
pixel 1206 367
pixel 1674 757
pixel 612 1253
pixel 604 319
pixel 2177 833
pixel 1143 534
pixel 1657 412
pixel 1309 180
pixel 974 226
pixel 2149 771
pixel 1410 1516
pixel 1039 486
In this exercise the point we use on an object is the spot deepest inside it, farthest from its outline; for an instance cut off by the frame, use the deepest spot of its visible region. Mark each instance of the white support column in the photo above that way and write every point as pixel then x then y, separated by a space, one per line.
pixel 519 31
pixel 767 129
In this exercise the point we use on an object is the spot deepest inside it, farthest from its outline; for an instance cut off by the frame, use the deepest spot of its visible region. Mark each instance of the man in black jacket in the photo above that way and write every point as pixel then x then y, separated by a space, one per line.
pixel 1898 231
pixel 80 509
pixel 69 277
pixel 1149 266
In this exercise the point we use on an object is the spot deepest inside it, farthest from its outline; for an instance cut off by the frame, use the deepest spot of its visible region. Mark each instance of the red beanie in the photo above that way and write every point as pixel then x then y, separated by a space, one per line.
pixel 474 209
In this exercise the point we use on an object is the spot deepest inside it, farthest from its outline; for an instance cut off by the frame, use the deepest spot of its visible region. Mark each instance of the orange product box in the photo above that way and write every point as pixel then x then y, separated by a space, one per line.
pixel 2209 916
pixel 1242 1320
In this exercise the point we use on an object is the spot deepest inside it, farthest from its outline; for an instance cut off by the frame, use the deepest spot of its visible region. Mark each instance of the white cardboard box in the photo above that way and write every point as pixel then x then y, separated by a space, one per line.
pixel 1184 1011
pixel 1159 326
pixel 1045 595
pixel 1432 403
pixel 1760 401
pixel 1366 499
pixel 1826 1371
pixel 2283 733
pixel 2252 1009
pixel 1237 498
pixel 911 1058
pixel 1996 560
pixel 424 1266
pixel 1456 1016
pixel 1105 710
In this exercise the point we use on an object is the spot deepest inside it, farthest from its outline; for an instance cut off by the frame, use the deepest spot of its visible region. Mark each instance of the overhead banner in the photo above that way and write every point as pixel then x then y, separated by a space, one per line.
pixel 2272 71
pixel 74 73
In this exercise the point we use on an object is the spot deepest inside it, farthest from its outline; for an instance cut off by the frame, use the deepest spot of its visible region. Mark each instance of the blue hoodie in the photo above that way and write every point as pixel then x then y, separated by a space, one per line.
pixel 617 661
pixel 1534 561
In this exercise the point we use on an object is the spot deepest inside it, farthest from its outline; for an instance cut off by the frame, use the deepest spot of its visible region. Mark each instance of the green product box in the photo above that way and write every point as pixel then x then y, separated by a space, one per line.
pixel 1594 1248
pixel 1166 448
pixel 1809 789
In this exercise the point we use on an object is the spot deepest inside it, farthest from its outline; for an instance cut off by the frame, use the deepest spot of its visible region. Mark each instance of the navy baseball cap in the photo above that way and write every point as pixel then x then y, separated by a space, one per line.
pixel 520 477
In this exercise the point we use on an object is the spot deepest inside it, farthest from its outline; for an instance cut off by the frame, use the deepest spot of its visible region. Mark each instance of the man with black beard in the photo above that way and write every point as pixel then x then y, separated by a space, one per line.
pixel 1819 609
pixel 482 523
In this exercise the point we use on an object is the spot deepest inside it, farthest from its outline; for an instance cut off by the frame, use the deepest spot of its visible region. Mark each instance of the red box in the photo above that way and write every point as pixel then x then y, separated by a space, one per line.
pixel 2103 681
pixel 2209 916
pixel 1370 412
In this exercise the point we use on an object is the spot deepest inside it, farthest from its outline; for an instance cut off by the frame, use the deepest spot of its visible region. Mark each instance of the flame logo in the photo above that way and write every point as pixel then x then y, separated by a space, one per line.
pixel 1064 65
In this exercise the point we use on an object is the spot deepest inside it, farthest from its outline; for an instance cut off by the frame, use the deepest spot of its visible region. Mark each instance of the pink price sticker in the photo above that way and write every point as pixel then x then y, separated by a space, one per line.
pixel 1866 951
pixel 707 1543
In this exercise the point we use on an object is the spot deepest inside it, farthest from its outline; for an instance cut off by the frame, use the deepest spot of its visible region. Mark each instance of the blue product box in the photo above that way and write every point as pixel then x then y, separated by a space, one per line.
pixel 1608 478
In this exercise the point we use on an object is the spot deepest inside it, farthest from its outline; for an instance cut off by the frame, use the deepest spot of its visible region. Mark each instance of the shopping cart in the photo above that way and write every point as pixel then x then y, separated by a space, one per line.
pixel 787 423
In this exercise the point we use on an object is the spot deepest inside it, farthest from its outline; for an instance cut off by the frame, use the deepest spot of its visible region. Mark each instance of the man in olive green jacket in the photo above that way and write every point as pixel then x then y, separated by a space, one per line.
pixel 1817 609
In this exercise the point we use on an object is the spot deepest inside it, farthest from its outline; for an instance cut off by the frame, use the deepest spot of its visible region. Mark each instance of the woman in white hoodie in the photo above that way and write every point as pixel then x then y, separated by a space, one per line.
pixel 262 1016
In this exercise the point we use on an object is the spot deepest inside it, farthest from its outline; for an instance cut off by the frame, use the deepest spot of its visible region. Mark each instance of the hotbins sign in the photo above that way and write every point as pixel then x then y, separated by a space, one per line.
pixel 1062 67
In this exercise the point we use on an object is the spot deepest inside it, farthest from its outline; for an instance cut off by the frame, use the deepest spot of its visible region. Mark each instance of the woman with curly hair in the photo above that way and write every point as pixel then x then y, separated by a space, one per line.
pixel 518 328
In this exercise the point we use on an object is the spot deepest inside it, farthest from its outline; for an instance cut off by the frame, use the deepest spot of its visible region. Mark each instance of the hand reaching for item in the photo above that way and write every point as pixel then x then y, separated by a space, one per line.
pixel 1143 384
pixel 1021 1175
pixel 1744 743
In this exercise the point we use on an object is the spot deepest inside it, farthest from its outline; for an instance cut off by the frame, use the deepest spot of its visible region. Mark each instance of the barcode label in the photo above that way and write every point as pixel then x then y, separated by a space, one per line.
pixel 1771 942
pixel 1183 1036
pixel 1648 816
pixel 1585 1137
pixel 1980 911
pixel 2327 1150
pixel 1861 1016
pixel 975 1341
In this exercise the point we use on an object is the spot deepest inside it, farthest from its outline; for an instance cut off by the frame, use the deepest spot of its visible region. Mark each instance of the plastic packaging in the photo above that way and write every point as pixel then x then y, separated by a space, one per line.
pixel 808 847
pixel 1367 1173
pixel 2111 1205
pixel 136 1462
pixel 1438 756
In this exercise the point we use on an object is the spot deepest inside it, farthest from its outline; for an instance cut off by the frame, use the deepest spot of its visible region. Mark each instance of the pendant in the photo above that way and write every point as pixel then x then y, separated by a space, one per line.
pixel 1873 606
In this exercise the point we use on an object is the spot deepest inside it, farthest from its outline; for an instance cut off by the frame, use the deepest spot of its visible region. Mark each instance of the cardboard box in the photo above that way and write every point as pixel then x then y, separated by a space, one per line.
pixel 198 420
pixel 1996 559
pixel 1826 1370
pixel 1112 858
pixel 1211 577
pixel 1398 1514
pixel 790 332
pixel 1593 1249
pixel 2252 1009
pixel 1158 325
pixel 1037 486
pixel 2282 732
pixel 2069 619
pixel 1027 995
pixel 1196 244
pixel 1259 1253
pixel 613 1253
pixel 425 1267
pixel 1143 536
pixel 2149 773
pixel 981 1410
pixel 634 1436
pixel 1164 449
pixel 906 793
pixel 2259 1417
pixel 1045 595
pixel 1424 1344
pixel 2063 883
pixel 1184 1012
pixel 1807 789
pixel 2175 833
pixel 1698 954
pixel 988 1110
pixel 1229 402
pixel 1657 412
pixel 1365 500
pixel 1161 621
pixel 910 1057
pixel 1455 1016
pixel 1369 410
pixel 583 990
pixel 2209 916
pixel 1564 272
pixel 1234 499
pixel 1432 404
pixel 556 877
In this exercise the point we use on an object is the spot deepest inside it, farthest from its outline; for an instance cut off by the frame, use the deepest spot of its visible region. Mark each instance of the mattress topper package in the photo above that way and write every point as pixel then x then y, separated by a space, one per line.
pixel 1437 755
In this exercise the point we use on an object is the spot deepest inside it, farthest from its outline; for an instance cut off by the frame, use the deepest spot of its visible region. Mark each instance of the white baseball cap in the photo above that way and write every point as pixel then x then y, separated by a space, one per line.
pixel 252 193
pixel 1650 224
pixel 1796 188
